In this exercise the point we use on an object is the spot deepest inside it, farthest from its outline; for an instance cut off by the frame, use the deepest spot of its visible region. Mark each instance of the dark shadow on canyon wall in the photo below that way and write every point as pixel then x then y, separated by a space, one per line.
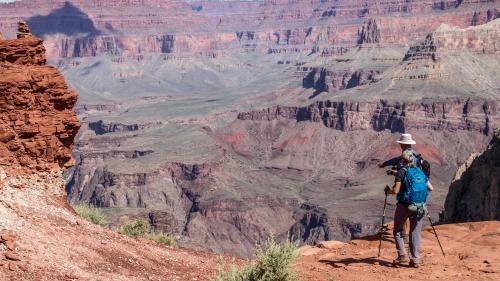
pixel 68 20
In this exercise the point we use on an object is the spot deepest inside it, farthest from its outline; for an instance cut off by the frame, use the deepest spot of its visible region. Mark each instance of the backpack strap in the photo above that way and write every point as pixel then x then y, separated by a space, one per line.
pixel 401 193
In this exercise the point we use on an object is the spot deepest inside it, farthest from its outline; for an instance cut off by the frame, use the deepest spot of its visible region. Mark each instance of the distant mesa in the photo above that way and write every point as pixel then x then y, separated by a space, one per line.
pixel 68 20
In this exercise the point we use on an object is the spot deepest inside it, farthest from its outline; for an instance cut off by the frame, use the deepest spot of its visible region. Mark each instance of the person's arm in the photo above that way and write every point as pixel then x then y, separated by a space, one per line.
pixel 397 183
pixel 391 162
pixel 429 186
pixel 395 188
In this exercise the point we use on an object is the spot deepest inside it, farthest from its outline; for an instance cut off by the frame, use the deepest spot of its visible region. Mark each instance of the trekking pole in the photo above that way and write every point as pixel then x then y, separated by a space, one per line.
pixel 382 228
pixel 436 234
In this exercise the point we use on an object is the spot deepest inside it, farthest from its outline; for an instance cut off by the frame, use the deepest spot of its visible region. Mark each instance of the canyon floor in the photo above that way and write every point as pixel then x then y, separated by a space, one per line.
pixel 52 243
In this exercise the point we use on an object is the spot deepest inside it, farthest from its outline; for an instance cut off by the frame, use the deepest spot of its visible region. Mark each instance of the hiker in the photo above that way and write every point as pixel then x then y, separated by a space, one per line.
pixel 411 204
pixel 405 142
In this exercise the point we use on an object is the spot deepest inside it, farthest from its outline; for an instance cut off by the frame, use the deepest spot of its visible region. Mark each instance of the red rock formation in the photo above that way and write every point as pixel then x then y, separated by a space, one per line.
pixel 37 124
pixel 29 50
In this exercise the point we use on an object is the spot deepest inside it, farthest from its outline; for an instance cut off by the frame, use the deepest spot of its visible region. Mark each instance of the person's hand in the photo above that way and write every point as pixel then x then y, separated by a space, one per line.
pixel 387 189
pixel 381 165
pixel 391 172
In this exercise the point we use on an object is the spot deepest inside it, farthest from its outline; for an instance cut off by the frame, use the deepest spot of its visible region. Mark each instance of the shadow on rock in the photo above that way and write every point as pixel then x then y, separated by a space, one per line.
pixel 69 20
pixel 350 261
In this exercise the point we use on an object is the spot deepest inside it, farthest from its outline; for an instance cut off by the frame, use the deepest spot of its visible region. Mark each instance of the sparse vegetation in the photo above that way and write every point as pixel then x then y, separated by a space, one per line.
pixel 138 228
pixel 91 214
pixel 162 238
pixel 273 263
pixel 141 228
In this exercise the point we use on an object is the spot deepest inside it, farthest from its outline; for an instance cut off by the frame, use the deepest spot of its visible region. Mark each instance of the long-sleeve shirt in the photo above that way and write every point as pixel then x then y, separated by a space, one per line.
pixel 396 161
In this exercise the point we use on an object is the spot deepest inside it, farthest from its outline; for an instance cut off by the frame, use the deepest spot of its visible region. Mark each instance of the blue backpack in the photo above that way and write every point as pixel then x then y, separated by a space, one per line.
pixel 416 187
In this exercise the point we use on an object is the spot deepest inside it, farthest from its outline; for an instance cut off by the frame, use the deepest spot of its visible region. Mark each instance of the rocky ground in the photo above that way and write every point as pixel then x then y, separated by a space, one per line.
pixel 470 248
pixel 43 239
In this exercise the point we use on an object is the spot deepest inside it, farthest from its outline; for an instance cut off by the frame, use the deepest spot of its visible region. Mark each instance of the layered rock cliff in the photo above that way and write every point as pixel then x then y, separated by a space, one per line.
pixel 84 28
pixel 37 123
pixel 448 114
pixel 474 194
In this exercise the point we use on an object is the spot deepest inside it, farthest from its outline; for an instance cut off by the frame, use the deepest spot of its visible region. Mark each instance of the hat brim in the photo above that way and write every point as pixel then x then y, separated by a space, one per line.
pixel 407 142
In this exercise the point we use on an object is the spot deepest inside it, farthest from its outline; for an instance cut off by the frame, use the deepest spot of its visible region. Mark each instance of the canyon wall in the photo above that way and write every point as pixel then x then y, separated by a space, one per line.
pixel 449 114
pixel 212 28
pixel 474 194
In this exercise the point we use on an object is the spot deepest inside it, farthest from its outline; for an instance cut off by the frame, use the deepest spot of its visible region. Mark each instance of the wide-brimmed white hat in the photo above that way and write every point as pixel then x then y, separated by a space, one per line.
pixel 406 139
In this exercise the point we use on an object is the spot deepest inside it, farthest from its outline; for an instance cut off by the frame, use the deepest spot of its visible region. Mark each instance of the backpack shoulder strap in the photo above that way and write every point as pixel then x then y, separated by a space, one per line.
pixel 404 171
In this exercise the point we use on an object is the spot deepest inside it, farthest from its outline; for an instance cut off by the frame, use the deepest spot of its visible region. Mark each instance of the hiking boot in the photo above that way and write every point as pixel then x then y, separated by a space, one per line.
pixel 415 264
pixel 400 260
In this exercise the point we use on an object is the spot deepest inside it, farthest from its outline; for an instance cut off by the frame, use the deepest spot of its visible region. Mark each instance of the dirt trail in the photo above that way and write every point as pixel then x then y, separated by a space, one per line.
pixel 471 254
pixel 50 242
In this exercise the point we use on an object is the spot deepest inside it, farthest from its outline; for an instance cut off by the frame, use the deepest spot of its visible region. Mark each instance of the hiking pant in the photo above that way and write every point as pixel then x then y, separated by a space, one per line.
pixel 406 229
pixel 401 215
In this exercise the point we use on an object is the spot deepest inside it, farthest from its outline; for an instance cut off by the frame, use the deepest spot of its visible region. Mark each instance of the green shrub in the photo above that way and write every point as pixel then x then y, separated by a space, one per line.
pixel 272 263
pixel 138 228
pixel 91 214
pixel 161 238
pixel 141 228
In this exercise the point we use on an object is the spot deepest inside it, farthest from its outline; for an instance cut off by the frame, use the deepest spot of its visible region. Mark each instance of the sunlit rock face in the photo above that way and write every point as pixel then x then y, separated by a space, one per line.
pixel 37 123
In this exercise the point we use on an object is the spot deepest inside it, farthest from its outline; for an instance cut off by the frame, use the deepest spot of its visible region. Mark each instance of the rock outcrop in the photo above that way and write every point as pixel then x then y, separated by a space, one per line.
pixel 324 80
pixel 100 127
pixel 37 124
pixel 474 194
pixel 370 33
